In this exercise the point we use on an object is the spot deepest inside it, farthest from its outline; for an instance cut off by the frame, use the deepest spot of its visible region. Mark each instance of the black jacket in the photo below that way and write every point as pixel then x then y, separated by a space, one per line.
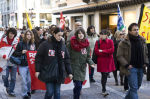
pixel 23 46
pixel 45 55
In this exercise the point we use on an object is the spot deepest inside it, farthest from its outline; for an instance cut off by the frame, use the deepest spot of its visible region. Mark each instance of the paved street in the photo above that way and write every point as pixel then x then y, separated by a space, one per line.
pixel 94 92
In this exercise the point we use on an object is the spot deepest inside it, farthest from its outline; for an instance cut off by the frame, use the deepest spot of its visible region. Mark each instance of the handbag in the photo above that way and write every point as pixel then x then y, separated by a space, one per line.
pixel 15 60
pixel 94 56
pixel 50 73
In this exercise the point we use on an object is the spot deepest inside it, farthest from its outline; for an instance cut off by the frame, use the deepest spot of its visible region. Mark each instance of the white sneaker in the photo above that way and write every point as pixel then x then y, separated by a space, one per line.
pixel 105 94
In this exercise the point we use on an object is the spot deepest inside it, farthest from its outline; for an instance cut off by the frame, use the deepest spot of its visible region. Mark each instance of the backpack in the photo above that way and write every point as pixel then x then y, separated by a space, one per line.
pixel 94 57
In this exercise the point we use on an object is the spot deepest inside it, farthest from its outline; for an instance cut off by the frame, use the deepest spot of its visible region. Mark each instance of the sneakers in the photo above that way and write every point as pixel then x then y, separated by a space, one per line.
pixel 32 91
pixel 26 97
pixel 116 83
pixel 105 94
pixel 7 90
pixel 12 94
pixel 125 90
pixel 108 76
pixel 92 80
pixel 29 94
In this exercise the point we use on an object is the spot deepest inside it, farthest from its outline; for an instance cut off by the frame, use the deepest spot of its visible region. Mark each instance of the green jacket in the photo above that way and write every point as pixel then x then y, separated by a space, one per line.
pixel 124 54
pixel 79 62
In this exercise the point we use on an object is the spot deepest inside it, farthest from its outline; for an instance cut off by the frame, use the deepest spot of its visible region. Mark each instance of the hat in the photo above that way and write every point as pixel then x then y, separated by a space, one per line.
pixel 104 32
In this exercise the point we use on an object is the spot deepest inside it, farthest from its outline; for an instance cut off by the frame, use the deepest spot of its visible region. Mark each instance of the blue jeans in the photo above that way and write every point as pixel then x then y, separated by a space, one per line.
pixel 77 89
pixel 10 85
pixel 135 81
pixel 26 79
pixel 52 89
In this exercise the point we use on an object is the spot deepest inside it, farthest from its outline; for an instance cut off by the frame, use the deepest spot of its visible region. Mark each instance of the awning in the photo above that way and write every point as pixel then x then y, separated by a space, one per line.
pixel 104 7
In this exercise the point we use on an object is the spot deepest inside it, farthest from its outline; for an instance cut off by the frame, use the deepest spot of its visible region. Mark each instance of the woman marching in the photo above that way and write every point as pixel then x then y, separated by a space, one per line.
pixel 80 55
pixel 26 45
pixel 52 61
pixel 92 37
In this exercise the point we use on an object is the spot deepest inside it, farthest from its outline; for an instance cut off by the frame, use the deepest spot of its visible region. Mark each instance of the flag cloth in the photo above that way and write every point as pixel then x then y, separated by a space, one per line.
pixel 17 24
pixel 62 21
pixel 120 24
pixel 36 84
pixel 144 23
pixel 7 50
pixel 29 22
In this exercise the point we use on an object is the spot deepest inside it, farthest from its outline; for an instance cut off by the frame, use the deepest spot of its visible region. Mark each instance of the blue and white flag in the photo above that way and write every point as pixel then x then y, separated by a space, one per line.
pixel 120 24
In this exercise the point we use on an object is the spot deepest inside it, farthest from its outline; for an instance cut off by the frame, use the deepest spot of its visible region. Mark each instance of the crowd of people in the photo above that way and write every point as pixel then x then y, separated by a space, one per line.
pixel 66 53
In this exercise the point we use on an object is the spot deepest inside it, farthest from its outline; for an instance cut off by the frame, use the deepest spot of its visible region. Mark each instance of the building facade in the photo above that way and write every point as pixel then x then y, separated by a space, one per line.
pixel 14 12
pixel 100 13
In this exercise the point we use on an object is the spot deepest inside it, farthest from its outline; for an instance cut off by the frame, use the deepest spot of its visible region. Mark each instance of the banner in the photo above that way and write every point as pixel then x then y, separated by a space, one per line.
pixel 36 84
pixel 69 84
pixel 144 23
pixel 7 50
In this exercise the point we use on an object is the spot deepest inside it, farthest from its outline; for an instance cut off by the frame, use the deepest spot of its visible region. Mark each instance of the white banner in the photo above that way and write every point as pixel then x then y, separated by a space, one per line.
pixel 70 86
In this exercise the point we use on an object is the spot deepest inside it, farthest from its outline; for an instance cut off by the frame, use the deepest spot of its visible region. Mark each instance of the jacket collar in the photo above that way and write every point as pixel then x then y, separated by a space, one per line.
pixel 104 41
pixel 142 38
pixel 5 39
pixel 128 41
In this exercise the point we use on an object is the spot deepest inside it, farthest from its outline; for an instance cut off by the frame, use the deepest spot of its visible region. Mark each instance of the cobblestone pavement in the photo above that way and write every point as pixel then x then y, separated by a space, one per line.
pixel 94 92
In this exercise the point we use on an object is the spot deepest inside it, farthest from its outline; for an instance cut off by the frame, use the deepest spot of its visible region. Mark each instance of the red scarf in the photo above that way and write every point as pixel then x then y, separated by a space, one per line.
pixel 9 40
pixel 78 45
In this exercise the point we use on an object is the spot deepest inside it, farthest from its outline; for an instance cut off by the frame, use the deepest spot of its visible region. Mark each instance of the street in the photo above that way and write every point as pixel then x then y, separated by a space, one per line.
pixel 94 92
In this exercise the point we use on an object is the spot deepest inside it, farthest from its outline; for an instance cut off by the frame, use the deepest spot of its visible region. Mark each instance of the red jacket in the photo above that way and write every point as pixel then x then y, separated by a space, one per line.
pixel 105 61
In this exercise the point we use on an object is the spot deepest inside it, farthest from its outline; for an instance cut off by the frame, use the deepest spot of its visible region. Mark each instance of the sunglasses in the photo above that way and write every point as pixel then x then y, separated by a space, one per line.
pixel 122 34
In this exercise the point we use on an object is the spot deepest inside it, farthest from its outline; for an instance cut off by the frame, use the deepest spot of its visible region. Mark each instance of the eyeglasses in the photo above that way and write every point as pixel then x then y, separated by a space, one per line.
pixel 135 30
pixel 122 34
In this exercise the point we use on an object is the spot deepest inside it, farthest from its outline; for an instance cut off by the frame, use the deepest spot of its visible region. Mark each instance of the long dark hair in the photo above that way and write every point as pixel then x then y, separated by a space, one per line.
pixel 89 32
pixel 57 30
pixel 32 37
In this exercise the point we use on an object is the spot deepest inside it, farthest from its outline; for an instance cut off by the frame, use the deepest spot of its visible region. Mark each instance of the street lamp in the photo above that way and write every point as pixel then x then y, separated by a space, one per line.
pixel 31 13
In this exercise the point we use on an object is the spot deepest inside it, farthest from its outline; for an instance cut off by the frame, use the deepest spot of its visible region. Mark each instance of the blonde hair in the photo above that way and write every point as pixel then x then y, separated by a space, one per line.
pixel 117 34
pixel 25 37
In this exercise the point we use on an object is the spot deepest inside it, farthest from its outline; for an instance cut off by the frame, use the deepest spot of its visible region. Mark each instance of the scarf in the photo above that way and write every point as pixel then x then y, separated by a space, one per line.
pixel 9 40
pixel 57 46
pixel 78 45
pixel 137 55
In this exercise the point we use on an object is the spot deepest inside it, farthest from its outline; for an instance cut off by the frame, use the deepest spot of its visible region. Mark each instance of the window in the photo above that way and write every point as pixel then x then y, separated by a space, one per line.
pixel 45 2
pixel 91 19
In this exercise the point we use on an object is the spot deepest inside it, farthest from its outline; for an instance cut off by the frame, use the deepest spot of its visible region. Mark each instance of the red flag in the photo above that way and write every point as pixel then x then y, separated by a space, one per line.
pixel 36 84
pixel 62 21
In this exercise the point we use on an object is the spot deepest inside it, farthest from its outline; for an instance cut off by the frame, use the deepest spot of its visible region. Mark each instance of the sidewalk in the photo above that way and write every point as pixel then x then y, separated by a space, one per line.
pixel 94 92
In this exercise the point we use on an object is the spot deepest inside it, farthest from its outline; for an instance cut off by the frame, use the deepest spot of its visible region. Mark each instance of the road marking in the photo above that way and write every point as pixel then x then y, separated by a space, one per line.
pixel 112 90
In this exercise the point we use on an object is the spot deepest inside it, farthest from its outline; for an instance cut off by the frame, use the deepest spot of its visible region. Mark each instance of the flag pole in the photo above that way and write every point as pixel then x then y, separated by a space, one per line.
pixel 141 15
